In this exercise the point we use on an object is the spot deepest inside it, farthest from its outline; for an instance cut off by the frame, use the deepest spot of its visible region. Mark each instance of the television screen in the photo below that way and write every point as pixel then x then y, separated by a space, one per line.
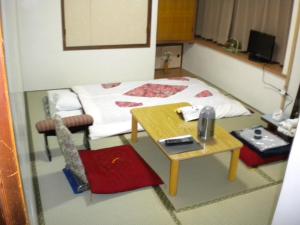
pixel 260 46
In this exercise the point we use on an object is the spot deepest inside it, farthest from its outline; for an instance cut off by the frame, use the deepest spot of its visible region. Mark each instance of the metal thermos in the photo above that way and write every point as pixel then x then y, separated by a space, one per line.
pixel 206 123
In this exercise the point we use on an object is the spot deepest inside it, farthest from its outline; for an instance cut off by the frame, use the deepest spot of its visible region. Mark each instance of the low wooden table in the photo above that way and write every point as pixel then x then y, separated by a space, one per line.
pixel 163 122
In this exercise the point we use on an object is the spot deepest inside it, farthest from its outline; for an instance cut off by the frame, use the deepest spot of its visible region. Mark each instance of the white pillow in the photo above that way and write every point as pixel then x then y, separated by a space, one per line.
pixel 52 94
pixel 66 101
pixel 63 114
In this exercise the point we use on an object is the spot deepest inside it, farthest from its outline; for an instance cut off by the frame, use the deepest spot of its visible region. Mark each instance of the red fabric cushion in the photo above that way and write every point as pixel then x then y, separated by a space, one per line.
pixel 156 90
pixel 252 159
pixel 117 169
pixel 128 104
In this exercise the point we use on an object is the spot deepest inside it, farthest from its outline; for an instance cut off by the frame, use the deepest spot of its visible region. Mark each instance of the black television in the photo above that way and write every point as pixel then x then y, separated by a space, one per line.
pixel 260 46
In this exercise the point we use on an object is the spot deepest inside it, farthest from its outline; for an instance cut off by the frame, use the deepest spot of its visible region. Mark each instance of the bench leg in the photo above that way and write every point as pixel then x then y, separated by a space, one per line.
pixel 47 148
pixel 86 139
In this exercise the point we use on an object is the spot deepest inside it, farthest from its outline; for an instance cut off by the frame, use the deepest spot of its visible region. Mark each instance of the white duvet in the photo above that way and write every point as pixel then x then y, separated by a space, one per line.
pixel 110 106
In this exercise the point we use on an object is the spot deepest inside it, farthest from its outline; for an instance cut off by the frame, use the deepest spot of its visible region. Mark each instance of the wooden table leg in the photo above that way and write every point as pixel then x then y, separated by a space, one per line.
pixel 134 130
pixel 234 164
pixel 174 172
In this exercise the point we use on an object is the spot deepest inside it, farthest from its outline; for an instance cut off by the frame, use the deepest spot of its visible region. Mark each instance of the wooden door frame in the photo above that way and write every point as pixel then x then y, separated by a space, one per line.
pixel 13 209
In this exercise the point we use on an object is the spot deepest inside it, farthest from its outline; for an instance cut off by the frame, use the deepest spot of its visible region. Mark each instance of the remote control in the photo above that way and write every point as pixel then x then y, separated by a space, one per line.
pixel 179 141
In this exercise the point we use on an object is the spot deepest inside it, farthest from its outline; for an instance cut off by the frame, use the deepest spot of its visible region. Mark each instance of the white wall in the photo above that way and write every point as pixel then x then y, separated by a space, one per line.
pixel 46 66
pixel 238 78
pixel 9 22
pixel 287 210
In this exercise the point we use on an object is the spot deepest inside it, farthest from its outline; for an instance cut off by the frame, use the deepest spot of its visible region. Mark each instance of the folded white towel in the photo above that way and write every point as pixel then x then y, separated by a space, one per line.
pixel 288 127
pixel 289 124
pixel 290 133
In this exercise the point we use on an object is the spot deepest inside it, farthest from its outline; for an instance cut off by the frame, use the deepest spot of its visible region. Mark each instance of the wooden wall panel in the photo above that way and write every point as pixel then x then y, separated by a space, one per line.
pixel 176 20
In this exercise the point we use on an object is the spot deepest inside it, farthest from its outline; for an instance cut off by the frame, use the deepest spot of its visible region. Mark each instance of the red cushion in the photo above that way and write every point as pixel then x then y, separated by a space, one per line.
pixel 117 169
pixel 252 159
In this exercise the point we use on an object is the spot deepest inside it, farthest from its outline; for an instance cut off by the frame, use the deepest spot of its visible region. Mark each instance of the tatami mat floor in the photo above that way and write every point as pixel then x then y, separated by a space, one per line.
pixel 205 196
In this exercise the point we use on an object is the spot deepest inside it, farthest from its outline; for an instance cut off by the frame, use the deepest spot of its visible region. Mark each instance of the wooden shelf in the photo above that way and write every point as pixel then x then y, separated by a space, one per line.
pixel 174 72
pixel 276 69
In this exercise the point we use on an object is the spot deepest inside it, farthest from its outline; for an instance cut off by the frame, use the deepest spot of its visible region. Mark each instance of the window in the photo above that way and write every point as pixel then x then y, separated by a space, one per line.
pixel 220 20
pixel 90 24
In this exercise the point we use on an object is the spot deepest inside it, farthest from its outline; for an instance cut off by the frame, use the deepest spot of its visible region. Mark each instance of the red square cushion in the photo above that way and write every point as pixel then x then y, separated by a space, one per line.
pixel 252 159
pixel 117 169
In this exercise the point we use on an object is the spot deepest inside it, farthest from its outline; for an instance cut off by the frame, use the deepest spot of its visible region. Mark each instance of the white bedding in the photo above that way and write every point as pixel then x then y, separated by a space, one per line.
pixel 110 106
pixel 55 106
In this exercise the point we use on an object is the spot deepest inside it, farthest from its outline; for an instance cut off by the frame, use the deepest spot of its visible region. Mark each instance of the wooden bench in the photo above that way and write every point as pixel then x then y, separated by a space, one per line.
pixel 75 124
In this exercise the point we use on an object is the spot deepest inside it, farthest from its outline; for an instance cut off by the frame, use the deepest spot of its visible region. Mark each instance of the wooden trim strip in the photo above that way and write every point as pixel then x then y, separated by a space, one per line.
pixel 148 43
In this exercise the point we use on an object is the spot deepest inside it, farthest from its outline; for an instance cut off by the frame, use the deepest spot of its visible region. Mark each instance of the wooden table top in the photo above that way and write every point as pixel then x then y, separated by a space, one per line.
pixel 163 121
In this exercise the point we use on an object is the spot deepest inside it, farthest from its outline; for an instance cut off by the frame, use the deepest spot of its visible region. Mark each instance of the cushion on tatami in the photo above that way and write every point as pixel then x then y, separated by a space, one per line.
pixel 252 159
pixel 117 169
pixel 75 183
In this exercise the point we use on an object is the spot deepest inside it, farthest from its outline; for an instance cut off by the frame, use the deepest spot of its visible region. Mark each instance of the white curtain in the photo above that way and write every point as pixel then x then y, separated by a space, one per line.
pixel 214 19
pixel 268 16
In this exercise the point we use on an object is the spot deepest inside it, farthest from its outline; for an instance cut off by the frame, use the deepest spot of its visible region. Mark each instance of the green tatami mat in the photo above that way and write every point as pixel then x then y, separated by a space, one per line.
pixel 254 208
pixel 201 179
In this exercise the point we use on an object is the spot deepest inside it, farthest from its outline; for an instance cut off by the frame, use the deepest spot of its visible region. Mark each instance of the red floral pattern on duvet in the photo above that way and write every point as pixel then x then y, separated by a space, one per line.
pixel 110 85
pixel 178 78
pixel 156 90
pixel 128 104
pixel 205 93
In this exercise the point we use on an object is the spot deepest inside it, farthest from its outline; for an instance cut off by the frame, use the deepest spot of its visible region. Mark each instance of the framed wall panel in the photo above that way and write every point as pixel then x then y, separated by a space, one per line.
pixel 92 24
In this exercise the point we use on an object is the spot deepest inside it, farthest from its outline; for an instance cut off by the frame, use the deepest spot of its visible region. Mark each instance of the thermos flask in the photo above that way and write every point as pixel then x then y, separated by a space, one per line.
pixel 206 123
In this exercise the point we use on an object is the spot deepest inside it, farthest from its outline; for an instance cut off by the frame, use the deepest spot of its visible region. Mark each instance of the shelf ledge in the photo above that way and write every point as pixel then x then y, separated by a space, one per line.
pixel 275 69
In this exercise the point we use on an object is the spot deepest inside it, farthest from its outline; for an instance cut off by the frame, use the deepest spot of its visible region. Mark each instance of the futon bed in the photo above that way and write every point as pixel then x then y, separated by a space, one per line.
pixel 110 103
